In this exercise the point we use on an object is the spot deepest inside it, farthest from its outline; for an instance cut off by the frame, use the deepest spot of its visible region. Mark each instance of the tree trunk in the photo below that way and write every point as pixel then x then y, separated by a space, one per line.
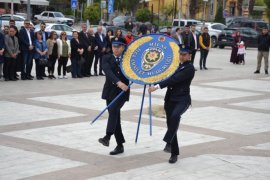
pixel 251 6
pixel 239 7
pixel 193 8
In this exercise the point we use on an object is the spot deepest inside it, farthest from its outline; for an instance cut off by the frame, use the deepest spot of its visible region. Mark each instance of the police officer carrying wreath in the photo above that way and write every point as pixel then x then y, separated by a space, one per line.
pixel 114 84
pixel 177 100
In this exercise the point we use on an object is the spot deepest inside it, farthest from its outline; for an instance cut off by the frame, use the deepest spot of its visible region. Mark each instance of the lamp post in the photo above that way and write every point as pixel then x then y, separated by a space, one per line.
pixel 28 10
pixel 204 9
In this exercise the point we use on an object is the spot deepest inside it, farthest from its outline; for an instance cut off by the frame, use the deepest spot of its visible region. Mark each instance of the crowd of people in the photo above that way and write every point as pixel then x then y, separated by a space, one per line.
pixel 20 48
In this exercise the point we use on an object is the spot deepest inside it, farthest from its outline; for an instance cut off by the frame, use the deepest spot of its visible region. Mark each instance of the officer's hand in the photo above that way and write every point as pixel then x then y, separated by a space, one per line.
pixel 122 86
pixel 152 89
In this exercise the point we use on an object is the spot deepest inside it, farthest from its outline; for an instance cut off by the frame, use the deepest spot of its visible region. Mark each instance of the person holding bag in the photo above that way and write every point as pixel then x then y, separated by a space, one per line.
pixel 52 52
pixel 40 55
pixel 76 55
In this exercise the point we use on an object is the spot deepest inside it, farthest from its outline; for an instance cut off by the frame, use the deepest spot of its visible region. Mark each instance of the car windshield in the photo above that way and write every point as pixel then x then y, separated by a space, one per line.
pixel 58 15
pixel 120 19
pixel 229 31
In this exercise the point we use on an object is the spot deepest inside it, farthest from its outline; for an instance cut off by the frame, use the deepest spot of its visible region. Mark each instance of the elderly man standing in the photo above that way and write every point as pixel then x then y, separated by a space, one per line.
pixel 101 43
pixel 26 37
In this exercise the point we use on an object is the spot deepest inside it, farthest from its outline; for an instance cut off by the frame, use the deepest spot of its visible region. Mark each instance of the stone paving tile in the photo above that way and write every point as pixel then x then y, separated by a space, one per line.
pixel 265 146
pixel 22 113
pixel 16 164
pixel 207 167
pixel 93 101
pixel 258 104
pixel 227 120
pixel 84 137
pixel 208 94
pixel 248 84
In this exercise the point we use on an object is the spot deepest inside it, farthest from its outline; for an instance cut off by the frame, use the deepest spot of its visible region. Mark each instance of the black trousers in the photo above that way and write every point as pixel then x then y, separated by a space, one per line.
pixel 193 53
pixel 174 110
pixel 204 54
pixel 40 69
pixel 114 121
pixel 86 68
pixel 62 61
pixel 98 59
pixel 51 64
pixel 9 68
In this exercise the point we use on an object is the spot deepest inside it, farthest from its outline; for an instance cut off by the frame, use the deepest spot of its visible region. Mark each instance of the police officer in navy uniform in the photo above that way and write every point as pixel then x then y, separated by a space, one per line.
pixel 177 100
pixel 115 83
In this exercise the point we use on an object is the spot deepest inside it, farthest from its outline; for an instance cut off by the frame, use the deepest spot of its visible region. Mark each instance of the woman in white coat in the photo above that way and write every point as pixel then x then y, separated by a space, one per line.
pixel 64 51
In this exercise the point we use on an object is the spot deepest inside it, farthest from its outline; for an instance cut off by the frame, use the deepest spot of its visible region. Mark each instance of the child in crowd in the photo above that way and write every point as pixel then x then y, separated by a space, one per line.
pixel 241 52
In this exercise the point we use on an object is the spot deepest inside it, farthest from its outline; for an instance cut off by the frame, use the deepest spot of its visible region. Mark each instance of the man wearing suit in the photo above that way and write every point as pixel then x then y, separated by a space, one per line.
pixel 114 84
pixel 101 44
pixel 83 38
pixel 186 35
pixel 11 53
pixel 45 37
pixel 194 43
pixel 178 36
pixel 91 51
pixel 177 100
pixel 26 36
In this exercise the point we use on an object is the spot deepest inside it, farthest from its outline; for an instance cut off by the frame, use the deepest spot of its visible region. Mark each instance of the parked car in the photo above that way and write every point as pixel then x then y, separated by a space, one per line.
pixel 113 28
pixel 183 22
pixel 250 37
pixel 54 17
pixel 214 30
pixel 121 20
pixel 248 23
pixel 58 28
pixel 19 20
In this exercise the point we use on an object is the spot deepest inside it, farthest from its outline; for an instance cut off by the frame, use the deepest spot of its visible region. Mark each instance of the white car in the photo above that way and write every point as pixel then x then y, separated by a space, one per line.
pixel 54 17
pixel 215 29
pixel 19 20
pixel 58 28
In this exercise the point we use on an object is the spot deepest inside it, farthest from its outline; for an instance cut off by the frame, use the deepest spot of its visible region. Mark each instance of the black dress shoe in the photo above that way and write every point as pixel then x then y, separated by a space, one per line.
pixel 104 141
pixel 200 68
pixel 31 76
pixel 266 71
pixel 205 68
pixel 257 72
pixel 101 74
pixel 173 159
pixel 167 148
pixel 117 150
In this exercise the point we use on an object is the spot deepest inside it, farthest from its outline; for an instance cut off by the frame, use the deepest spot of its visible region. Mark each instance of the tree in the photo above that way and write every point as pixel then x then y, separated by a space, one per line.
pixel 251 6
pixel 267 3
pixel 92 13
pixel 143 15
pixel 168 11
pixel 219 16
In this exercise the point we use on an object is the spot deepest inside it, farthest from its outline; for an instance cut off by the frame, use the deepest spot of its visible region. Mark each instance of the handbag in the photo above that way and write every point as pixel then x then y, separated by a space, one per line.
pixel 81 61
pixel 42 60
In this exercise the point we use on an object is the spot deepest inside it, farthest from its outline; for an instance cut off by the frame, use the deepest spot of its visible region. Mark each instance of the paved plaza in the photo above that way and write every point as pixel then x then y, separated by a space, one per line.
pixel 45 130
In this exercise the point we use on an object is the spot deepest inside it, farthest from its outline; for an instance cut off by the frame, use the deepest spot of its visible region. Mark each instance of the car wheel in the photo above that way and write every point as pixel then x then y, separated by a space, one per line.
pixel 214 42
pixel 221 47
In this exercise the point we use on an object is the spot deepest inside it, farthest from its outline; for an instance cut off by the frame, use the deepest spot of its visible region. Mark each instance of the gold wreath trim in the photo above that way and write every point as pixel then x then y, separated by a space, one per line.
pixel 133 47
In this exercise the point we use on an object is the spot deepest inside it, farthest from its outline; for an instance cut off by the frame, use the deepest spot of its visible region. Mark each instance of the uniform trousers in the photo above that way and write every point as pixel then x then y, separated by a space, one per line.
pixel 174 110
pixel 114 120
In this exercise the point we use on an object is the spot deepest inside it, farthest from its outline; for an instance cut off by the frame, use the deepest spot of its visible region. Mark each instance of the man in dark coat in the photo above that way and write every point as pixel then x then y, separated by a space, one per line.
pixel 177 100
pixel 101 43
pixel 26 38
pixel 114 84
pixel 83 37
pixel 194 43
pixel 263 50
